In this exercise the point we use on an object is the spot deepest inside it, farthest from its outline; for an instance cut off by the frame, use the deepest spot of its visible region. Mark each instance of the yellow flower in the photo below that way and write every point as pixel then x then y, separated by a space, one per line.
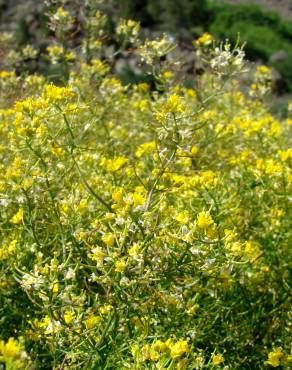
pixel 273 168
pixel 235 248
pixel 285 154
pixel 55 287
pixel 204 220
pixel 182 217
pixel 141 105
pixel 274 357
pixel 270 166
pixel 117 195
pixel 11 349
pixel 7 74
pixel 205 40
pixel 179 348
pixel 56 93
pixel 27 183
pixel 143 87
pixel 92 321
pixel 134 251
pixel 289 358
pixel 167 75
pixel 217 359
pixel 194 150
pixel 145 353
pixel 57 151
pixel 138 199
pixel 191 93
pixel 70 56
pixel 62 13
pixel 182 364
pixel 120 265
pixel 159 346
pixel 265 269
pixel 128 28
pixel 208 178
pixel 97 255
pixel 230 235
pixel 173 104
pixel 55 52
pixel 212 232
pixel 69 316
pixel 104 310
pixel 108 239
pixel 82 206
pixel 263 69
pixel 113 165
pixel 18 217
pixel 146 148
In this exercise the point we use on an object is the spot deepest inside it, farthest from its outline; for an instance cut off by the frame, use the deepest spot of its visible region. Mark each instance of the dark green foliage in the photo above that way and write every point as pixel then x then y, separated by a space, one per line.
pixel 167 14
pixel 285 68
pixel 231 13
pixel 286 29
pixel 186 13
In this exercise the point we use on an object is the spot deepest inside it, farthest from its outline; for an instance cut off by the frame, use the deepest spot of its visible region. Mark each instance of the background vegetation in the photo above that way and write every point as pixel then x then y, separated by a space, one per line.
pixel 268 37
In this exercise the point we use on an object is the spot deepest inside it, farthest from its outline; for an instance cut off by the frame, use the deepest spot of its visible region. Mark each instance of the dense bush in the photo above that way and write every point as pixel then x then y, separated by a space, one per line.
pixel 142 228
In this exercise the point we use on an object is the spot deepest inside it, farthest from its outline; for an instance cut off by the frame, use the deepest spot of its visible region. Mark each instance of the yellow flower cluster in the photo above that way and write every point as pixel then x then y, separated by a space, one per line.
pixel 275 357
pixel 12 354
pixel 158 349
pixel 142 226
pixel 205 40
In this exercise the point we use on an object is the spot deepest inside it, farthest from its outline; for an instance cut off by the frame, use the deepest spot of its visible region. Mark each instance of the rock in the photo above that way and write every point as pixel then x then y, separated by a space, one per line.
pixel 278 56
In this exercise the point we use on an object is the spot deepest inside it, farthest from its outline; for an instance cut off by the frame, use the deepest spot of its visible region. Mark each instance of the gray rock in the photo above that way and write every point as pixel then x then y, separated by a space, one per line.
pixel 278 56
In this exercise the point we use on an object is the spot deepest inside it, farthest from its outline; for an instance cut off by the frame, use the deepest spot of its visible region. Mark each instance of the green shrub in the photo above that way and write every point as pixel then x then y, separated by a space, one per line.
pixel 286 29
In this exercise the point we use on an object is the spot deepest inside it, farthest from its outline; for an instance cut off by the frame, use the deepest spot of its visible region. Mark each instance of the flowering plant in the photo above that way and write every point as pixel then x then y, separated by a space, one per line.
pixel 143 229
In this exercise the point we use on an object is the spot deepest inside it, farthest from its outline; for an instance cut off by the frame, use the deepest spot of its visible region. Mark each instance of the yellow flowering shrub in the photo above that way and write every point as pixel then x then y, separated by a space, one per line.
pixel 142 227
